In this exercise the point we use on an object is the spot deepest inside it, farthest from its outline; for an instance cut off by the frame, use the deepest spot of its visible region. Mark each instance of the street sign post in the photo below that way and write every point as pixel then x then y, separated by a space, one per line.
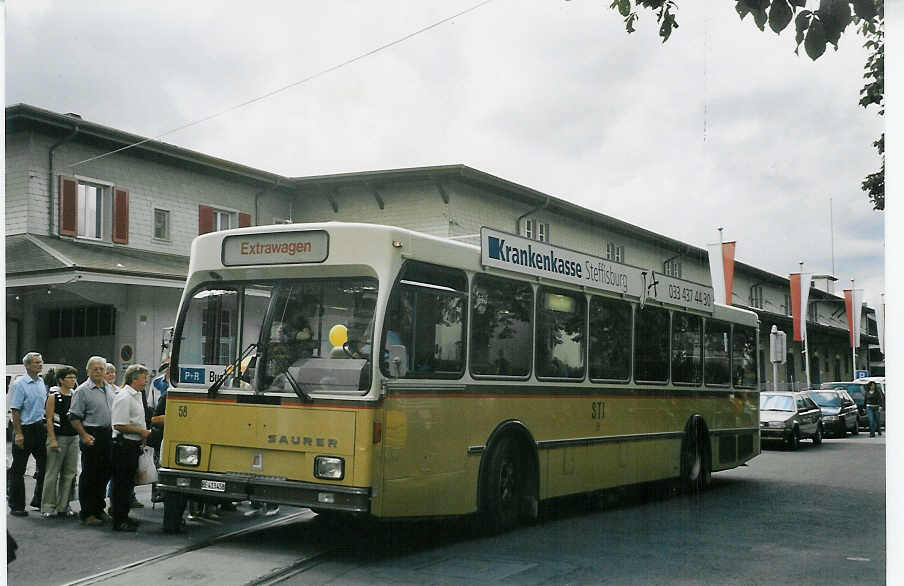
pixel 778 351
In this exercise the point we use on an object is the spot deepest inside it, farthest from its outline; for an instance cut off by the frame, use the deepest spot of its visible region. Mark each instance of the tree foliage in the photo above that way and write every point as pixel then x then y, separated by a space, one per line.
pixel 817 26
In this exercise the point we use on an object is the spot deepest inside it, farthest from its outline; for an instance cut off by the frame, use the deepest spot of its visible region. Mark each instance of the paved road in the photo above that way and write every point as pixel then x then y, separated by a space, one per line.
pixel 812 516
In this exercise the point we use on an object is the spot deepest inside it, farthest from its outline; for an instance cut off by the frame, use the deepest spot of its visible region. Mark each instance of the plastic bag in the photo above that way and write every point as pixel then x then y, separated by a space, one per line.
pixel 147 470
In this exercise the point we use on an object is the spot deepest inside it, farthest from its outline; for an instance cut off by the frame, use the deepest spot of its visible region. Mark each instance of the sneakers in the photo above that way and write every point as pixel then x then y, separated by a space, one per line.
pixel 18 513
pixel 49 515
pixel 67 514
pixel 91 521
pixel 271 509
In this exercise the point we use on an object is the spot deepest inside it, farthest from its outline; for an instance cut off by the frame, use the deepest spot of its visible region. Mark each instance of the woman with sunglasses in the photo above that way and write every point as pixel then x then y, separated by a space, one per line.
pixel 62 447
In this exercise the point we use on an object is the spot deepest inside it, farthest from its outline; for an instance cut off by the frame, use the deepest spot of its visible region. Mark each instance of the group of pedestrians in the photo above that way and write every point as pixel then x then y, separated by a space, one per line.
pixel 107 424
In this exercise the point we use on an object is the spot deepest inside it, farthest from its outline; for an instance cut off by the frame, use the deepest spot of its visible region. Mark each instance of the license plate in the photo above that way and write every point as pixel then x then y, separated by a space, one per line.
pixel 216 485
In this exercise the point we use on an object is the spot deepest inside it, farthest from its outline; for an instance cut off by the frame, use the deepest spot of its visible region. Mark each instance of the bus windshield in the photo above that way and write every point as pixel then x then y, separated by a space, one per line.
pixel 312 334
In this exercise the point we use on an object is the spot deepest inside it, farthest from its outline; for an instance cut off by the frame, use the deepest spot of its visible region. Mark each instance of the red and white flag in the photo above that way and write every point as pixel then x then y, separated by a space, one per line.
pixel 800 294
pixel 853 303
pixel 721 270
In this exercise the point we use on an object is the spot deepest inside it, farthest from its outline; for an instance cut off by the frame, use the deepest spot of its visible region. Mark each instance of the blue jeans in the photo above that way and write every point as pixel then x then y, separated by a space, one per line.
pixel 873 413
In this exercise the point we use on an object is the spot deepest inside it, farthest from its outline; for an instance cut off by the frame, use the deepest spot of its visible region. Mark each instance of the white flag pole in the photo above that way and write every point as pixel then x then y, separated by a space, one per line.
pixel 805 291
pixel 853 332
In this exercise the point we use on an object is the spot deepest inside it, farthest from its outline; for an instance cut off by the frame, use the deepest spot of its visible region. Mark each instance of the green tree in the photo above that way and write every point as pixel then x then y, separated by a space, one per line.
pixel 815 27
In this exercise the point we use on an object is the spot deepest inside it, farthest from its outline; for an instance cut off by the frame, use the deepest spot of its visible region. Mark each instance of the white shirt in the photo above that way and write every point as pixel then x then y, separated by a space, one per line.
pixel 127 410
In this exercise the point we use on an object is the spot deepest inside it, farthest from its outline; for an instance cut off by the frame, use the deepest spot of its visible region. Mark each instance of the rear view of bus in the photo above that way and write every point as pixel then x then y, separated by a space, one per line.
pixel 272 370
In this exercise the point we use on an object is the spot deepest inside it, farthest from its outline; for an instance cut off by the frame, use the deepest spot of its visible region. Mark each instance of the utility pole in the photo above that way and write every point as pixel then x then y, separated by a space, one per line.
pixel 803 324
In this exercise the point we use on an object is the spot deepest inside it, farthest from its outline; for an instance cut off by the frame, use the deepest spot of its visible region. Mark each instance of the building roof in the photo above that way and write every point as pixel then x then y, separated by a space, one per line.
pixel 24 115
pixel 31 255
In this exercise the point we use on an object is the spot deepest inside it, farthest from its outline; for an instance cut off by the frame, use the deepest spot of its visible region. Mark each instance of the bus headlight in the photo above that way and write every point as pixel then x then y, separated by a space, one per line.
pixel 188 455
pixel 329 468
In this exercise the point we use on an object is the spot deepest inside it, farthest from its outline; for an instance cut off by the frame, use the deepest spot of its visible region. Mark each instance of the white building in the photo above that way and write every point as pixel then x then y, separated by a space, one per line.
pixel 100 269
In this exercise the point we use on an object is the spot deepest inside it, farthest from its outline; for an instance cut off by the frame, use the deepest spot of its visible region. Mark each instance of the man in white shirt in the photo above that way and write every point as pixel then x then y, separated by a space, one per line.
pixel 129 434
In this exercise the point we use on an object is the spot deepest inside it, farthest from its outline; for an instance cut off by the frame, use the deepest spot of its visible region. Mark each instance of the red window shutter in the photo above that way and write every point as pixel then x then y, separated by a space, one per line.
pixel 120 215
pixel 244 220
pixel 205 219
pixel 68 206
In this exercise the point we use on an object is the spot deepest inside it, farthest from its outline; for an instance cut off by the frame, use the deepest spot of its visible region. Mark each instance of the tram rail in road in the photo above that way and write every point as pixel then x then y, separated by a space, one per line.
pixel 216 561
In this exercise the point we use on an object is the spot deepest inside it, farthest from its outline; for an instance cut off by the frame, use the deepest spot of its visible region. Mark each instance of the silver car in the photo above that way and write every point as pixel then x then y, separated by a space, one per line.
pixel 788 418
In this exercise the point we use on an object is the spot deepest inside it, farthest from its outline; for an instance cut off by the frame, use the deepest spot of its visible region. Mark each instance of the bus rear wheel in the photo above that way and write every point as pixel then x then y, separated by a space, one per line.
pixel 504 487
pixel 696 468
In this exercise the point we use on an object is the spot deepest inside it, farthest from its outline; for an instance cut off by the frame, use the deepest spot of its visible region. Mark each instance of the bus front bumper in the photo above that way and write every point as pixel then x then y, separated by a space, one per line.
pixel 243 487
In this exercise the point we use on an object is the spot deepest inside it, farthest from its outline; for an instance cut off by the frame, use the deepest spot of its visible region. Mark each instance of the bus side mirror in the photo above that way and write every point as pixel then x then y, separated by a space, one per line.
pixel 398 360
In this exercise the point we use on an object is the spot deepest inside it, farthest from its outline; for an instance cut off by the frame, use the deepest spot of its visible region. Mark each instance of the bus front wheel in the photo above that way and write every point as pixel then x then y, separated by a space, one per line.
pixel 504 486
pixel 173 508
pixel 696 468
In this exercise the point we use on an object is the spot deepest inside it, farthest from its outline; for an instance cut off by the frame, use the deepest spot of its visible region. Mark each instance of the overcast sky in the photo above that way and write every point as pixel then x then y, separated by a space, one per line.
pixel 723 125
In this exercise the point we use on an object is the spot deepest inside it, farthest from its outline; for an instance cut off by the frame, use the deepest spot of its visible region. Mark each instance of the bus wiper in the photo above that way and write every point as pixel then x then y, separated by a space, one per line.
pixel 305 398
pixel 230 369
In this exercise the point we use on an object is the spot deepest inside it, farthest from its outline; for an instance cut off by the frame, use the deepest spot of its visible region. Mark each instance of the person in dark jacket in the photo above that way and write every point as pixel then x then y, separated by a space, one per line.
pixel 874 402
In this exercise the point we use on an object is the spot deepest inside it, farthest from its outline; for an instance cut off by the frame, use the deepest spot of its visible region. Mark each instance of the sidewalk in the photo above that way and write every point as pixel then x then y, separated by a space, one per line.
pixel 100 548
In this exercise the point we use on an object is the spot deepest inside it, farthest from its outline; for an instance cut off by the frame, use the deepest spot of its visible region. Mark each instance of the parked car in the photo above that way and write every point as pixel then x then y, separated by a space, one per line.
pixel 789 417
pixel 856 389
pixel 839 412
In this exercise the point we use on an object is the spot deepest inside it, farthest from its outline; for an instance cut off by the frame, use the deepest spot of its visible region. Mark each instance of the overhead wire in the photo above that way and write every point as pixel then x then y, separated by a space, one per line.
pixel 289 86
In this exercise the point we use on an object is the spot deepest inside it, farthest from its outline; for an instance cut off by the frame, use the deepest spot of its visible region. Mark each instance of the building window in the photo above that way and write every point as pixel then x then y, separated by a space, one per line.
pixel 213 220
pixel 756 296
pixel 787 304
pixel 536 230
pixel 91 199
pixel 812 314
pixel 615 252
pixel 672 268
pixel 82 322
pixel 161 224
pixel 94 210
pixel 222 220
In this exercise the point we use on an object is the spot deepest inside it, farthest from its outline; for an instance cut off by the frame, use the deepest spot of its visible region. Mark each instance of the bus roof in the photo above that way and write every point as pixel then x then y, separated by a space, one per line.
pixel 254 252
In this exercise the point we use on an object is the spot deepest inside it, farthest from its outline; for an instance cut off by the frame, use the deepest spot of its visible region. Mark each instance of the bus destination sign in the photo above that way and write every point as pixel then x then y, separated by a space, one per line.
pixel 274 249
pixel 515 253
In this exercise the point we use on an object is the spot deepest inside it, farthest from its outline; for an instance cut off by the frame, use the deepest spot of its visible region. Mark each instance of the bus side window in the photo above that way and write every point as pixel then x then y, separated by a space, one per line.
pixel 716 353
pixel 743 356
pixel 561 316
pixel 501 326
pixel 610 339
pixel 651 345
pixel 687 348
pixel 425 323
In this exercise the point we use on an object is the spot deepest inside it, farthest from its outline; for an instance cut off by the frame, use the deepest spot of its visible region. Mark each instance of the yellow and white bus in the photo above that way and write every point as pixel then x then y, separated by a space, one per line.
pixel 375 370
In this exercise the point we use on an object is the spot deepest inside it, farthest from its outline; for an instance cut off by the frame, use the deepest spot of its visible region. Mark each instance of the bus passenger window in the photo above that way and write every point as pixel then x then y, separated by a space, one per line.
pixel 425 323
pixel 687 348
pixel 651 345
pixel 560 334
pixel 743 356
pixel 716 353
pixel 610 339
pixel 502 326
